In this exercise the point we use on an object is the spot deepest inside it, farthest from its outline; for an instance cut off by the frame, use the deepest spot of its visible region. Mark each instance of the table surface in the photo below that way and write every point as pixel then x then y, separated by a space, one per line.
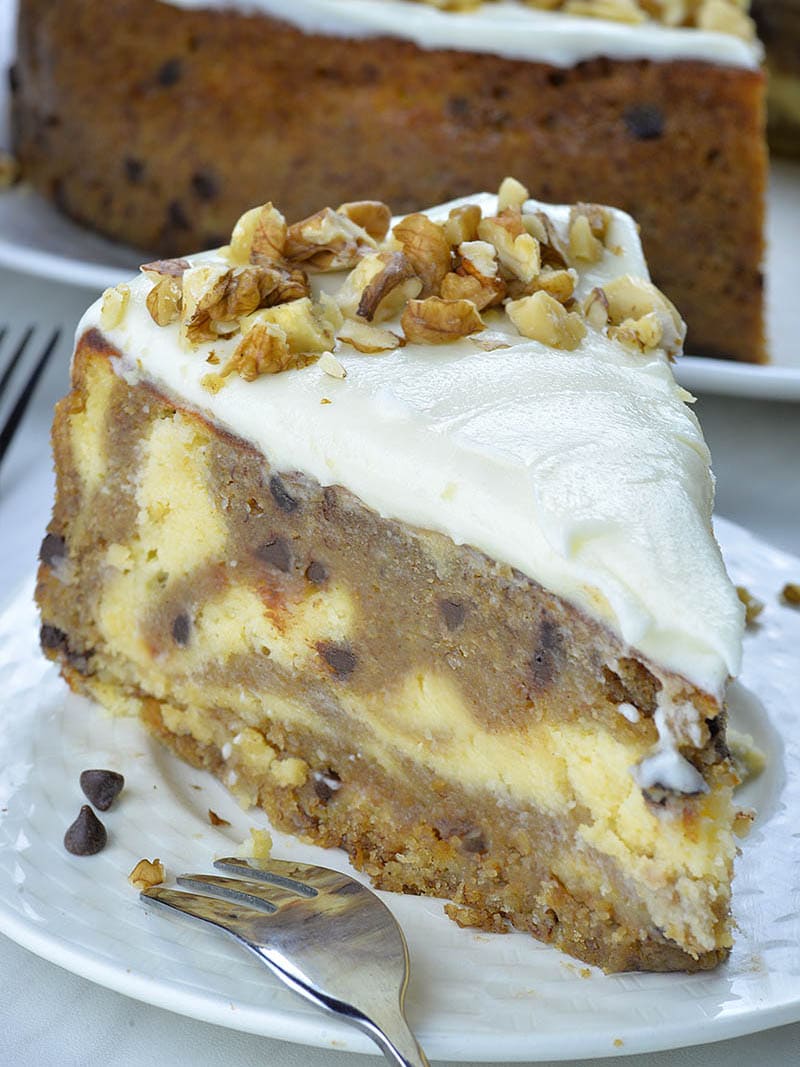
pixel 50 1017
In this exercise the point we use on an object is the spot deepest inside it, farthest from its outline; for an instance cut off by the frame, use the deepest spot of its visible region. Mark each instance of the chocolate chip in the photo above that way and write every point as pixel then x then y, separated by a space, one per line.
pixel 453 613
pixel 325 785
pixel 285 501
pixel 316 573
pixel 338 657
pixel 277 554
pixel 176 216
pixel 645 122
pixel 170 73
pixel 205 185
pixel 134 169
pixel 87 834
pixel 53 550
pixel 181 629
pixel 101 787
pixel 546 659
pixel 52 638
pixel 459 107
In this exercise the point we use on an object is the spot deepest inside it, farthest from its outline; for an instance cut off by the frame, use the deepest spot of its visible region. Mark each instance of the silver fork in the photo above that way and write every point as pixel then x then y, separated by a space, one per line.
pixel 322 933
pixel 14 418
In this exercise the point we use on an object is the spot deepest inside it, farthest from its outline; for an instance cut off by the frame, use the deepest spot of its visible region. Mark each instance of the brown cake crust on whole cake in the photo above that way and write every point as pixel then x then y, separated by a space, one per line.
pixel 350 674
pixel 159 125
pixel 778 23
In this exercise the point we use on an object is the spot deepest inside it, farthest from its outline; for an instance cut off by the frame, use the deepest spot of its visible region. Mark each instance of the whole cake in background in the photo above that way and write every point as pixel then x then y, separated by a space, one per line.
pixel 404 531
pixel 778 24
pixel 159 123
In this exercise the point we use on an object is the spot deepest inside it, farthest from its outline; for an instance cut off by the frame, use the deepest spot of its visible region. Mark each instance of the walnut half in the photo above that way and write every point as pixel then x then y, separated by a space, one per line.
pixel 437 322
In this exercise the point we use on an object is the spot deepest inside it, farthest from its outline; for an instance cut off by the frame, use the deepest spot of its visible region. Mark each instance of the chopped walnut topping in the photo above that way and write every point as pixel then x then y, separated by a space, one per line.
pixel 584 247
pixel 511 194
pixel 614 10
pixel 203 292
pixel 164 300
pixel 371 215
pixel 330 365
pixel 165 268
pixel 560 284
pixel 631 299
pixel 435 321
pixel 146 874
pixel 517 251
pixel 113 306
pixel 790 594
pixel 368 339
pixel 483 292
pixel 542 318
pixel 259 236
pixel 722 16
pixel 551 249
pixel 462 224
pixel 427 249
pixel 263 350
pixel 595 309
pixel 279 338
pixel 752 605
pixel 378 287
pixel 327 241
pixel 643 334
pixel 669 12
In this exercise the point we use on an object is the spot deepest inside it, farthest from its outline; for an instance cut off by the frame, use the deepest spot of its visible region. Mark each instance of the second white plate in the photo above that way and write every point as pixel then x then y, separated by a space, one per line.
pixel 473 996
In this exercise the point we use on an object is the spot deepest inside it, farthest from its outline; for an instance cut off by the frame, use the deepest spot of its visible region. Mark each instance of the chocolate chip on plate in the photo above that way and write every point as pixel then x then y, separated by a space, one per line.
pixel 87 834
pixel 101 787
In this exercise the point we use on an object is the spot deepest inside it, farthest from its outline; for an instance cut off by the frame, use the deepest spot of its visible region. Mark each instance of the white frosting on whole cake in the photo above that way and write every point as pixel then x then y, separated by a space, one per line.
pixel 507 29
pixel 584 469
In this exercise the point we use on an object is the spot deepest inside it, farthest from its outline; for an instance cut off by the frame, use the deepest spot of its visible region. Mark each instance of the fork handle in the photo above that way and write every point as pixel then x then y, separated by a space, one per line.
pixel 402 1048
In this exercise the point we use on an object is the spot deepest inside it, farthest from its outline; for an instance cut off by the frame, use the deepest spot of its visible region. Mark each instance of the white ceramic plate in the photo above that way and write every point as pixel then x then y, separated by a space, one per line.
pixel 473 996
pixel 36 239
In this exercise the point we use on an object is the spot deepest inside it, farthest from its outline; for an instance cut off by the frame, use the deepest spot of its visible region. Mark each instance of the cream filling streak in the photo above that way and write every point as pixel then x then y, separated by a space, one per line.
pixel 585 470
pixel 506 29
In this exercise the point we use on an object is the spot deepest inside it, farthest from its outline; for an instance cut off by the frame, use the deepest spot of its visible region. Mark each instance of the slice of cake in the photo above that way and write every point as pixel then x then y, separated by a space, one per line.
pixel 159 123
pixel 404 533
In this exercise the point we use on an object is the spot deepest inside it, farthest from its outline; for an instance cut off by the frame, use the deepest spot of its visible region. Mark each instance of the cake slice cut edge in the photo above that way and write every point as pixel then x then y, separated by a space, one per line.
pixel 394 682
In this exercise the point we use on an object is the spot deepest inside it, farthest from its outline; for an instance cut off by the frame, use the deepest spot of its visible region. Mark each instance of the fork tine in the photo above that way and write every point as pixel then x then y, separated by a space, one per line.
pixel 18 411
pixel 303 878
pixel 243 892
pixel 15 358
pixel 226 915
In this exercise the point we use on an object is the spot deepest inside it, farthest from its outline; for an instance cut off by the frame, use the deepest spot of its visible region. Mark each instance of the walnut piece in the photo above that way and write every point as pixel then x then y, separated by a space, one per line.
pixel 164 301
pixel 752 605
pixel 330 365
pixel 551 248
pixel 146 874
pixel 371 215
pixel 511 194
pixel 543 319
pixel 327 240
pixel 368 339
pixel 790 594
pixel 631 299
pixel 584 247
pixel 462 224
pixel 427 249
pixel 434 321
pixel 378 287
pixel 113 306
pixel 517 251
pixel 259 236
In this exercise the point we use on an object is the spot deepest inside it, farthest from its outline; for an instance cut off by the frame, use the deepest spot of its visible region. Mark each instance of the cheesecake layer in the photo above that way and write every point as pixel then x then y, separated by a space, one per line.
pixel 368 682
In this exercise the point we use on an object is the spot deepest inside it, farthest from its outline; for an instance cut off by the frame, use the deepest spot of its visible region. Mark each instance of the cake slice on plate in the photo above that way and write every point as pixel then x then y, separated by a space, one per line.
pixel 404 532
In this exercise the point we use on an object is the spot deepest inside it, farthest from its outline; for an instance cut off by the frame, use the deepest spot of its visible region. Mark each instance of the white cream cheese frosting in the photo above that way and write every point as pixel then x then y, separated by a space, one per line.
pixel 584 469
pixel 507 29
